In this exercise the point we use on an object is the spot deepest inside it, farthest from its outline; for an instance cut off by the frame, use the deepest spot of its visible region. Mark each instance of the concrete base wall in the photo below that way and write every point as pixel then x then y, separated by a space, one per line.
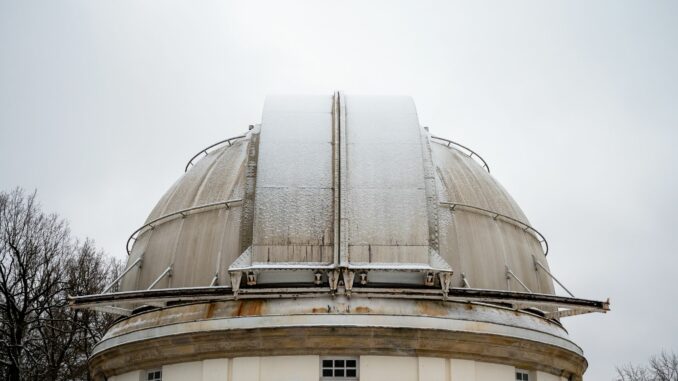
pixel 307 368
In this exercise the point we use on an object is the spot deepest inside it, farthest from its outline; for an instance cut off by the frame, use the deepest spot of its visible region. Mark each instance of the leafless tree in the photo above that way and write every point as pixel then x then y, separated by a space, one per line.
pixel 40 265
pixel 662 367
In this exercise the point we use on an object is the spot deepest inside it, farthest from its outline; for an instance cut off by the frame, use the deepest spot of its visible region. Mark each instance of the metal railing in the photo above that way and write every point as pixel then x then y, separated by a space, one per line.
pixel 465 150
pixel 498 216
pixel 180 213
pixel 204 151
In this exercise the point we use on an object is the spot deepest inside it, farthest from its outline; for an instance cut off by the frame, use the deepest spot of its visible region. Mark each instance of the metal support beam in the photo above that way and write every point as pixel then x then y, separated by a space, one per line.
pixel 116 280
pixel 538 264
pixel 465 280
pixel 167 272
pixel 113 310
pixel 510 274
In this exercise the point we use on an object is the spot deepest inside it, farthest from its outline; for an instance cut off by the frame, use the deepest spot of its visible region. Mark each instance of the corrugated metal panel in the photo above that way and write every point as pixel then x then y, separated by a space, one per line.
pixel 476 244
pixel 211 180
pixel 198 245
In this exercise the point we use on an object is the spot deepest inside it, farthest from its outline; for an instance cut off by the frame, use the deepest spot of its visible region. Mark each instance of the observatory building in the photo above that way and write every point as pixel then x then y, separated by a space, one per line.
pixel 337 240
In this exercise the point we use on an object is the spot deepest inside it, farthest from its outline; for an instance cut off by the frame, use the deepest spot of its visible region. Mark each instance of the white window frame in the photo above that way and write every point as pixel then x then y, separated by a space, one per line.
pixel 146 372
pixel 524 372
pixel 345 377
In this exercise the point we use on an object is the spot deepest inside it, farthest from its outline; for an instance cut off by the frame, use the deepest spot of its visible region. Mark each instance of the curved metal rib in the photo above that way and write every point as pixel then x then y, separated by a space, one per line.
pixel 467 151
pixel 525 227
pixel 183 213
pixel 204 151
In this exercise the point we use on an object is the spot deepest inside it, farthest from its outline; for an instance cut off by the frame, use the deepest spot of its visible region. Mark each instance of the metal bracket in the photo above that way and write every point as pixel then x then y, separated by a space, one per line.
pixel 363 277
pixel 429 279
pixel 236 277
pixel 251 278
pixel 445 279
pixel 348 276
pixel 333 277
pixel 317 278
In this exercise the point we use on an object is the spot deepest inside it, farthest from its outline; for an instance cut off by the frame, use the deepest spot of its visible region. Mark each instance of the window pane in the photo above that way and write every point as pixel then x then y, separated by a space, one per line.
pixel 350 372
pixel 327 372
pixel 150 376
pixel 338 363
pixel 350 363
pixel 327 363
pixel 338 373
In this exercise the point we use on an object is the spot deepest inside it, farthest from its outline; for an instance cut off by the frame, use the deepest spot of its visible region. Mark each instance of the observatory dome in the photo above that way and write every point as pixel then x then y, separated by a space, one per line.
pixel 337 240
pixel 409 201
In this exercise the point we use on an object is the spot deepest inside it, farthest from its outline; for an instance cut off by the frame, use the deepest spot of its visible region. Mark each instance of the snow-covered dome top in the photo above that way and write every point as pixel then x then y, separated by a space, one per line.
pixel 332 190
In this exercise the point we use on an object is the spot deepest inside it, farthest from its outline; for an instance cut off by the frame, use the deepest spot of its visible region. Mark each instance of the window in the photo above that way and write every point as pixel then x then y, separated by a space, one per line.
pixel 153 375
pixel 339 368
pixel 522 375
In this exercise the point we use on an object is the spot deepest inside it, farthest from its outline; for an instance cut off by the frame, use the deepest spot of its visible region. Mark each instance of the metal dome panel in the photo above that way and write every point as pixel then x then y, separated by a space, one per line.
pixel 338 185
pixel 386 194
pixel 293 216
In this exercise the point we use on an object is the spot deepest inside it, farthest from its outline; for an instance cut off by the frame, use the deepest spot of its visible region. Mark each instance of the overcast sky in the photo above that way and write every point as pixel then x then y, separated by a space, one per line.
pixel 572 103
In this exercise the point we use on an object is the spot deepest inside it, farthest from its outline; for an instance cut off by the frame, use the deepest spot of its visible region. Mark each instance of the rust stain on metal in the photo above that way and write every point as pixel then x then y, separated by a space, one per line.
pixel 321 310
pixel 362 310
pixel 210 311
pixel 250 308
pixel 431 309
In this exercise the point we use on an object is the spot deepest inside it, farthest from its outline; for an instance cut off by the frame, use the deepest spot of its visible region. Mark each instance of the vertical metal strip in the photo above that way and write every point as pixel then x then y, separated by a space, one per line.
pixel 336 170
pixel 432 202
pixel 247 216
pixel 343 183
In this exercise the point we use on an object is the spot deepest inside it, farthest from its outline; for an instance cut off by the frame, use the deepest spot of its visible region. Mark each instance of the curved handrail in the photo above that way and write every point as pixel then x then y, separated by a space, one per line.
pixel 183 213
pixel 470 153
pixel 515 222
pixel 228 141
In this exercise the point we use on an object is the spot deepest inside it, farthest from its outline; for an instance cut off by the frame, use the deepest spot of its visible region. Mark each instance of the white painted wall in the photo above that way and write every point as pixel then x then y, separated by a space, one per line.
pixel 388 368
pixel 215 370
pixel 307 368
pixel 462 370
pixel 245 369
pixel 184 371
pixel 433 368
pixel 289 368
pixel 490 372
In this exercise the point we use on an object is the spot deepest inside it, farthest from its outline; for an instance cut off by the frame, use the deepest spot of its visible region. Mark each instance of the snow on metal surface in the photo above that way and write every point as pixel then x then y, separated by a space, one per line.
pixel 386 202
pixel 293 217
pixel 384 191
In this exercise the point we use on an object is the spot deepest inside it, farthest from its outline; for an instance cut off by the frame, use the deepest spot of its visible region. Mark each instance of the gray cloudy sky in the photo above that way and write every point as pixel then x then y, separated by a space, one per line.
pixel 573 104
